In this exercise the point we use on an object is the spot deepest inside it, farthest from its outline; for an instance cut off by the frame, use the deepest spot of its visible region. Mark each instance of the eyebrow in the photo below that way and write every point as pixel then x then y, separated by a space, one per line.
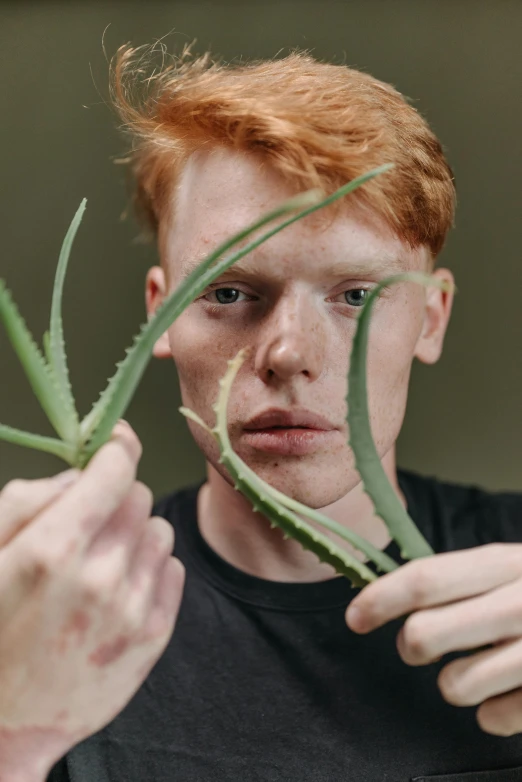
pixel 380 267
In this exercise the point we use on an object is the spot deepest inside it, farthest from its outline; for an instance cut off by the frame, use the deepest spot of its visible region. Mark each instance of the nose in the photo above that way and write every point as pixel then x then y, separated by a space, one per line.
pixel 292 339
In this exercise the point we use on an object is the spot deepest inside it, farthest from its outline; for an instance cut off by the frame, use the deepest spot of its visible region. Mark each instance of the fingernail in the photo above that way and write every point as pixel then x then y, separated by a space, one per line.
pixel 66 478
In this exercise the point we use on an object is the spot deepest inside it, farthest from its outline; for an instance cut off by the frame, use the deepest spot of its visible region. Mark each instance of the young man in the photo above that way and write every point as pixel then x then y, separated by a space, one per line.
pixel 266 676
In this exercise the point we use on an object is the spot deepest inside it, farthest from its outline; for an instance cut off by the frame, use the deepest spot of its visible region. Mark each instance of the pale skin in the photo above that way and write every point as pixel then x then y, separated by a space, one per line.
pixel 292 310
pixel 295 310
pixel 89 596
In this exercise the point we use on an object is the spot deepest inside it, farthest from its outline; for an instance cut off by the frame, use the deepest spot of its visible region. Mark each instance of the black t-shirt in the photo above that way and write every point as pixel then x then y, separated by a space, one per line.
pixel 263 681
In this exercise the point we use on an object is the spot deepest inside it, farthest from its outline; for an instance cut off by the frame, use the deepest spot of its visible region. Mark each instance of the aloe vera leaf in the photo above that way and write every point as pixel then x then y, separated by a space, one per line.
pixel 36 369
pixel 113 401
pixel 57 354
pixel 29 440
pixel 375 481
pixel 46 341
pixel 378 557
pixel 258 492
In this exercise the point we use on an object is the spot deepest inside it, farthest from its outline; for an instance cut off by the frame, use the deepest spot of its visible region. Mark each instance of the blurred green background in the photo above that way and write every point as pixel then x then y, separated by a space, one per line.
pixel 459 60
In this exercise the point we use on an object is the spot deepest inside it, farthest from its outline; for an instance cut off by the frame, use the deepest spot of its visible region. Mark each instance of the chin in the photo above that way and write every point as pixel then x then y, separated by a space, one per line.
pixel 313 484
pixel 316 480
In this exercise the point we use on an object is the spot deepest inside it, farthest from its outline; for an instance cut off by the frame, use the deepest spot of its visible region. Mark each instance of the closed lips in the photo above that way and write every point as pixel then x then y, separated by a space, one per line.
pixel 289 419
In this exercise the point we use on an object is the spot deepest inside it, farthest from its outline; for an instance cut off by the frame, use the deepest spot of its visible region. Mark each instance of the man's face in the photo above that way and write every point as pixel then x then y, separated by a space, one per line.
pixel 295 301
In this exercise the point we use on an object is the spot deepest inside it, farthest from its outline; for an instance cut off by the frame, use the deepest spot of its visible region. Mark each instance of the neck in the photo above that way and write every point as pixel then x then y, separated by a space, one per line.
pixel 246 540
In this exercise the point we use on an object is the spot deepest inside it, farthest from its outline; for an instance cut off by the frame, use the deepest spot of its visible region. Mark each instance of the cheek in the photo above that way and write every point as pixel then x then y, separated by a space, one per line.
pixel 200 365
pixel 390 356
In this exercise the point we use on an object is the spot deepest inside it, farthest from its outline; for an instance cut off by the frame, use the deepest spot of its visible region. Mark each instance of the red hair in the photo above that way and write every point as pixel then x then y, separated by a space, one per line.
pixel 318 124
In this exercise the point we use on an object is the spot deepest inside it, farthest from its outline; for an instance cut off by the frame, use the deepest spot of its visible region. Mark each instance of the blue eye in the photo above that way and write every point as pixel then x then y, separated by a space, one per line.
pixel 355 297
pixel 359 301
pixel 226 298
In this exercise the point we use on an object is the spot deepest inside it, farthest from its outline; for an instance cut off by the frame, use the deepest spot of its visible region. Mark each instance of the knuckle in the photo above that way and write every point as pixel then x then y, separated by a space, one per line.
pixel 98 587
pixel 159 627
pixel 167 534
pixel 166 541
pixel 129 440
pixel 416 637
pixel 161 535
pixel 422 585
pixel 40 561
pixel 144 495
pixel 450 686
pixel 15 491
pixel 131 619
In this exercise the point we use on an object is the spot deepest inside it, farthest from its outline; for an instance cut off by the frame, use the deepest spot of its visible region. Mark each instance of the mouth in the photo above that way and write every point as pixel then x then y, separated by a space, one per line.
pixel 289 440
pixel 275 428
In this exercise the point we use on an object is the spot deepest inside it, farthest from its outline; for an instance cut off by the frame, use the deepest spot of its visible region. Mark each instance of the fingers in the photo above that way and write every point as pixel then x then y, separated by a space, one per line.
pixel 119 536
pixel 432 581
pixel 149 558
pixel 77 517
pixel 465 624
pixel 469 681
pixel 502 715
pixel 167 601
pixel 22 500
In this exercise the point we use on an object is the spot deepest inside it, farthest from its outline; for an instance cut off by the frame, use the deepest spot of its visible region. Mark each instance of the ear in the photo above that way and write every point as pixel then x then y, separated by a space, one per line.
pixel 155 293
pixel 436 317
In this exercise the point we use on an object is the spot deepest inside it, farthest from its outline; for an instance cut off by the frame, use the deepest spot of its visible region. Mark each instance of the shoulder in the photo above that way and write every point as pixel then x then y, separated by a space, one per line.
pixel 462 514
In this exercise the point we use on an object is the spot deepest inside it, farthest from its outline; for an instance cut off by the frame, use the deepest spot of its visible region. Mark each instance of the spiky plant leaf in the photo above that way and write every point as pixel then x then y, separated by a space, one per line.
pixel 46 342
pixel 36 369
pixel 56 347
pixel 36 441
pixel 367 461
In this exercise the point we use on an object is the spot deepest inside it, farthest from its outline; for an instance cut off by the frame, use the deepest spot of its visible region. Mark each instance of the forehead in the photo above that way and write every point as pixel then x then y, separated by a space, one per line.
pixel 222 191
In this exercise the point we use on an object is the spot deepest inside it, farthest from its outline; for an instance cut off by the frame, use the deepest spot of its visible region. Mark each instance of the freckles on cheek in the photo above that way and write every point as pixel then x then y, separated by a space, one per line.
pixel 388 371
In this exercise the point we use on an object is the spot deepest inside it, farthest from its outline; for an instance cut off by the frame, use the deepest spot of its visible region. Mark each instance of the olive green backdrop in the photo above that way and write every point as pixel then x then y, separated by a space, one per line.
pixel 458 59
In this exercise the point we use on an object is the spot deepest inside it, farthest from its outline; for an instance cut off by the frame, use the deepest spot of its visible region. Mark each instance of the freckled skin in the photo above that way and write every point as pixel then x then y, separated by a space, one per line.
pixel 301 328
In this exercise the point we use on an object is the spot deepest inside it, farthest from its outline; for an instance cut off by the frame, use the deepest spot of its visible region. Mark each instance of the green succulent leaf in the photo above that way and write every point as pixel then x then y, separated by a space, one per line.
pixel 36 369
pixel 375 481
pixel 46 341
pixel 36 441
pixel 55 350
